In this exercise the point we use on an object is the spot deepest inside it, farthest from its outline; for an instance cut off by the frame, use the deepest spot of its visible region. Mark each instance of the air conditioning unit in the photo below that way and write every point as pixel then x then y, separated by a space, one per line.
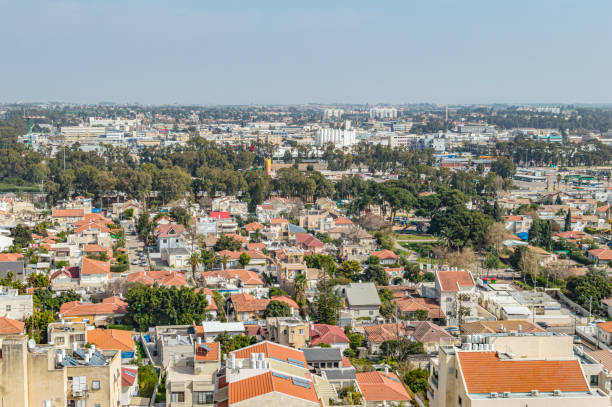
pixel 535 393
pixel 493 395
pixel 557 393
pixel 506 394
pixel 77 393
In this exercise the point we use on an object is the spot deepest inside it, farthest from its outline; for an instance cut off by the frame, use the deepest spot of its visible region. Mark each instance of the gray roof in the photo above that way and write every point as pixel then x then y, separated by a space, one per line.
pixel 176 251
pixel 296 229
pixel 15 266
pixel 346 373
pixel 322 355
pixel 361 294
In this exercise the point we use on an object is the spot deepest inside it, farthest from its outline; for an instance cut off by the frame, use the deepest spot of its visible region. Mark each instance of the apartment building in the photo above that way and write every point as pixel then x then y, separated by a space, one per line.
pixel 288 331
pixel 63 334
pixel 42 375
pixel 15 306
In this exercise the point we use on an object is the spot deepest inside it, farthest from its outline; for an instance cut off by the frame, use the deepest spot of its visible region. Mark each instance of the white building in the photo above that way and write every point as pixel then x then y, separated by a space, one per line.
pixel 15 306
pixel 383 113
pixel 339 138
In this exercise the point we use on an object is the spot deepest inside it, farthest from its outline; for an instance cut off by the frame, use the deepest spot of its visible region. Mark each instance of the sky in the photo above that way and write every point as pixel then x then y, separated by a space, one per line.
pixel 292 52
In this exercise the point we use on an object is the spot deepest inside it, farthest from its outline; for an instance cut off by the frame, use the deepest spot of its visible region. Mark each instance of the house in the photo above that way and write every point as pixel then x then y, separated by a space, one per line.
pixel 410 307
pixel 429 334
pixel 94 273
pixel 211 329
pixel 362 300
pixel 387 257
pixel 606 305
pixel 65 217
pixel 64 279
pixel 169 236
pixel 109 311
pixel 211 308
pixel 288 331
pixel 245 307
pixel 245 279
pixel 15 306
pixel 323 358
pixel 602 255
pixel 518 223
pixel 331 335
pixel 129 385
pixel 278 228
pixel 113 339
pixel 63 334
pixel 456 294
pixel 13 266
pixel 176 257
pixel 10 327
pixel 604 332
pixel 5 243
pixel 193 384
pixel 375 335
pixel 307 241
pixel 485 378
pixel 382 387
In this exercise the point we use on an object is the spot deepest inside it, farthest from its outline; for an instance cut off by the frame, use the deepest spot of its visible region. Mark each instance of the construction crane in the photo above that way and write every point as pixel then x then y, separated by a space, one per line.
pixel 29 119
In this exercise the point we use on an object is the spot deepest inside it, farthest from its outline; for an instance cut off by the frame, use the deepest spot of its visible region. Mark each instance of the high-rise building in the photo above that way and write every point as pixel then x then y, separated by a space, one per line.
pixel 383 113
pixel 339 138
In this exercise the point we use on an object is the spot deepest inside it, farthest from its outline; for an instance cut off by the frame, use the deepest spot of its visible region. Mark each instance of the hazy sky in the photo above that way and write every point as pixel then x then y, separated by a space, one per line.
pixel 252 51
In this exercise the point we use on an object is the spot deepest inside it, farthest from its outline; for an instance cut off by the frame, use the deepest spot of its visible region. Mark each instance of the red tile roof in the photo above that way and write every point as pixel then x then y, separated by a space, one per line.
pixel 484 372
pixel 128 376
pixel 341 220
pixel 383 332
pixel 253 226
pixel 430 305
pixel 78 308
pixel 329 334
pixel 111 339
pixel 602 254
pixel 248 303
pixel 385 254
pixel 308 240
pixel 247 277
pixel 271 350
pixel 10 256
pixel 378 386
pixel 94 267
pixel 278 221
pixel 287 300
pixel 211 354
pixel 452 280
pixel 267 383
pixel 11 326
pixel 67 213
pixel 70 272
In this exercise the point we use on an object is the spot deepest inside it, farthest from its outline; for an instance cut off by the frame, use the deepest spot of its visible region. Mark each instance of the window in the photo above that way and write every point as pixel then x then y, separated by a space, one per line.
pixel 97 405
pixel 285 332
pixel 79 338
pixel 95 385
pixel 594 380
pixel 459 400
pixel 203 397
pixel 371 312
pixel 8 307
pixel 301 331
pixel 177 397
pixel 59 340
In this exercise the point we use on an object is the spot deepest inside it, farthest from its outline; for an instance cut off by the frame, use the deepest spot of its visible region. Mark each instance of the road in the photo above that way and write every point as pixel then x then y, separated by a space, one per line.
pixel 133 244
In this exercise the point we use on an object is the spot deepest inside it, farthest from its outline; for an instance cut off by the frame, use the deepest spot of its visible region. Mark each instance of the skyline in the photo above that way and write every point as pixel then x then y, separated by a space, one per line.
pixel 195 53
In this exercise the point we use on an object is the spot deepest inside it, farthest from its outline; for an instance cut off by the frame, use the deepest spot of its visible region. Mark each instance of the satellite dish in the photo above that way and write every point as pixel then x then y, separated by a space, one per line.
pixel 31 344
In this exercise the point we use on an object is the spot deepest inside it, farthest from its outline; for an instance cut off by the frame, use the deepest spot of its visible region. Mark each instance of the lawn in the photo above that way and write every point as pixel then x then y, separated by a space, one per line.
pixel 410 236
pixel 6 187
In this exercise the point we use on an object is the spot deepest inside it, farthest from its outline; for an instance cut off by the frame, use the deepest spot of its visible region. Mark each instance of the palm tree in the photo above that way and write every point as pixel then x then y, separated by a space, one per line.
pixel 224 261
pixel 256 236
pixel 299 285
pixel 194 261
pixel 267 279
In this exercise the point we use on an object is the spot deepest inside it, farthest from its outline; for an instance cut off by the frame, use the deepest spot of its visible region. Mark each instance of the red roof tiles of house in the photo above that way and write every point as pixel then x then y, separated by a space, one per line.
pixel 278 221
pixel 602 254
pixel 385 254
pixel 308 240
pixel 111 339
pixel 329 334
pixel 11 326
pixel 341 220
pixel 94 267
pixel 10 256
pixel 210 354
pixel 453 280
pixel 78 308
pixel 70 272
pixel 484 373
pixel 253 226
pixel 381 386
pixel 271 350
pixel 265 383
pixel 287 300
pixel 256 246
pixel 248 303
pixel 169 230
pixel 128 376
pixel 68 213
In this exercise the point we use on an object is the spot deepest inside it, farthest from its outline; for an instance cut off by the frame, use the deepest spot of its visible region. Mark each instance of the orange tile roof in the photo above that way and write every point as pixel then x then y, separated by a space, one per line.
pixel 253 226
pixel 203 354
pixel 111 339
pixel 247 277
pixel 278 221
pixel 140 277
pixel 256 246
pixel 378 386
pixel 247 303
pixel 603 253
pixel 287 300
pixel 449 280
pixel 270 350
pixel 266 383
pixel 341 220
pixel 606 326
pixel 78 308
pixel 11 326
pixel 10 256
pixel 385 254
pixel 92 267
pixel 93 226
pixel 67 213
pixel 241 239
pixel 484 372
pixel 409 304
pixel 383 332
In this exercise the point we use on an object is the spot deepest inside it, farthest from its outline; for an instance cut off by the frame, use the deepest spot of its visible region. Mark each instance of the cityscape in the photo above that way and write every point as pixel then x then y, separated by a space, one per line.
pixel 327 204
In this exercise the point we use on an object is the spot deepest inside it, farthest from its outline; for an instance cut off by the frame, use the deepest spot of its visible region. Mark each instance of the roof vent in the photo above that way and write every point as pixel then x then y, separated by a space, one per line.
pixel 535 393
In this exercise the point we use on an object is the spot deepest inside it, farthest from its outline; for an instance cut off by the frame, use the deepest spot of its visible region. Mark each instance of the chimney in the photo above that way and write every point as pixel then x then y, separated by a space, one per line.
pixel 386 370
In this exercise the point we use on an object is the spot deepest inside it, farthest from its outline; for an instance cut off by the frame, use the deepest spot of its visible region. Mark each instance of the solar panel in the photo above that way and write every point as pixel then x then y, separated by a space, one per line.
pixel 296 362
pixel 393 378
pixel 69 361
pixel 205 347
pixel 280 360
pixel 282 376
pixel 130 373
pixel 301 382
pixel 79 352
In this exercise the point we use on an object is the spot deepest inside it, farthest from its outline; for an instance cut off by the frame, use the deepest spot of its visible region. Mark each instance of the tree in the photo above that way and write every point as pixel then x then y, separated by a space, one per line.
pixel 462 258
pixel 226 242
pixel 496 235
pixel 540 233
pixel 412 273
pixel 194 262
pixel 180 215
pixel 277 309
pixel 568 221
pixel 417 380
pixel 377 274
pixel 421 315
pixel 326 303
pixel 38 280
pixel 37 323
pixel 589 290
pixel 529 263
pixel 22 235
pixel 172 183
pixel 350 268
pixel 147 380
pixel 244 259
pixel 299 285
pixel 503 167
